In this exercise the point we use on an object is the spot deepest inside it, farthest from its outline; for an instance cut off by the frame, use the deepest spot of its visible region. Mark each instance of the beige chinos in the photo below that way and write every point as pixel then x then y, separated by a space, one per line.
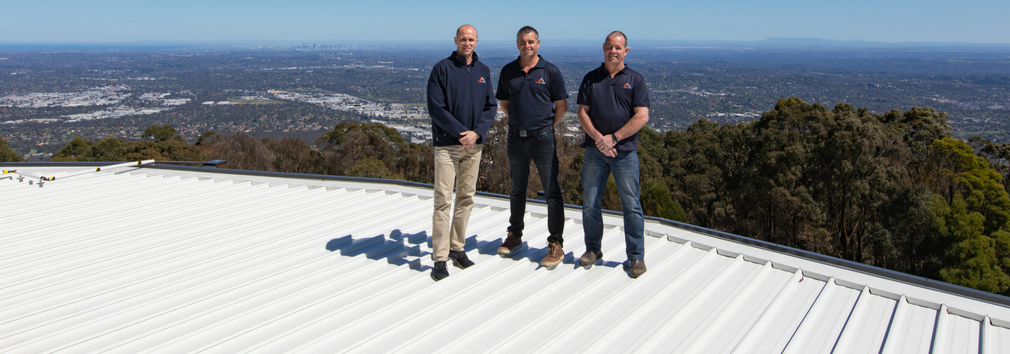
pixel 454 165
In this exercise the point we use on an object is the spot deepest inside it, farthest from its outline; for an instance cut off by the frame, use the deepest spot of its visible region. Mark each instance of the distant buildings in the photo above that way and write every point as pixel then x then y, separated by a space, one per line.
pixel 411 120
pixel 98 96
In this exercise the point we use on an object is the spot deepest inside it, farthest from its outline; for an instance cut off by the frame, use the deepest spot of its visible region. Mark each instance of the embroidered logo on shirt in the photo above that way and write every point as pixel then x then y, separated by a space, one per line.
pixel 480 80
pixel 626 86
pixel 541 81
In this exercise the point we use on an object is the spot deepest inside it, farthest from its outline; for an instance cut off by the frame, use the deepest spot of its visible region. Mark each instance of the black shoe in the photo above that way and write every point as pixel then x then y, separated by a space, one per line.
pixel 459 259
pixel 439 272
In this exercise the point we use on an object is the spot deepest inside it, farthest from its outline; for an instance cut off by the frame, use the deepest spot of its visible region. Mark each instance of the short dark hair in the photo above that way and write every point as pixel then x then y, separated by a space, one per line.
pixel 619 33
pixel 527 30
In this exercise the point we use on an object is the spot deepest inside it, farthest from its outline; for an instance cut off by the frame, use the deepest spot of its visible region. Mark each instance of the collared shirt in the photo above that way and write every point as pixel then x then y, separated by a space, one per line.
pixel 531 95
pixel 612 102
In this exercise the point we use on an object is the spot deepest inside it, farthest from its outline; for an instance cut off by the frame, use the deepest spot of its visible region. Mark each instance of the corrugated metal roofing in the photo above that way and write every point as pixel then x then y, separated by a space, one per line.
pixel 173 260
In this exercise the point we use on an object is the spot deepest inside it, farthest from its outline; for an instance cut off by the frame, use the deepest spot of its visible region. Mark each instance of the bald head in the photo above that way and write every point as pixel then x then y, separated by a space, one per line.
pixel 466 40
pixel 463 28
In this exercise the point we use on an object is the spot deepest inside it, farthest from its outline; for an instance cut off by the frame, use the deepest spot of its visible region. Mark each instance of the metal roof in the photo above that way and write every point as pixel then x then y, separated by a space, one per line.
pixel 171 259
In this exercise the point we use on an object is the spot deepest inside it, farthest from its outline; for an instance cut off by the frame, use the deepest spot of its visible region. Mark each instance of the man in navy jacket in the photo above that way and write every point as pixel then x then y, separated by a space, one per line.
pixel 462 107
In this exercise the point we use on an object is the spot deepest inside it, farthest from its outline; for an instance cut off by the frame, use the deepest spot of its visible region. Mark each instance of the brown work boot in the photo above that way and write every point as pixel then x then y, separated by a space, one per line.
pixel 589 258
pixel 637 268
pixel 511 243
pixel 554 255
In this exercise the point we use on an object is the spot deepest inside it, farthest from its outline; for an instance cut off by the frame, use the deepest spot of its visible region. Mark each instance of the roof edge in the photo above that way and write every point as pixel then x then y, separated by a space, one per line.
pixel 854 266
pixel 274 174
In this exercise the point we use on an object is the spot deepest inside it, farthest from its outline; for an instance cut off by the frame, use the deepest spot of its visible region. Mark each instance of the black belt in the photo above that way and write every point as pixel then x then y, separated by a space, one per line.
pixel 532 132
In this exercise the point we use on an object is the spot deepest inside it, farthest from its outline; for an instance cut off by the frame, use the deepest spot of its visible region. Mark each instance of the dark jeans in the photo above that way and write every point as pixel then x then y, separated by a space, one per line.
pixel 540 149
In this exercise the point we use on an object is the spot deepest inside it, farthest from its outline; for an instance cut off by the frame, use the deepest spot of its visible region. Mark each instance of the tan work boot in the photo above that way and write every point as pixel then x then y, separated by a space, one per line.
pixel 554 255
pixel 637 268
pixel 510 245
pixel 589 258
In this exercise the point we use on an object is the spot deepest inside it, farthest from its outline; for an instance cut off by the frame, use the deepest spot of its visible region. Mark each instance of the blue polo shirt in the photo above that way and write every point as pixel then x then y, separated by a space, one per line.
pixel 531 95
pixel 612 102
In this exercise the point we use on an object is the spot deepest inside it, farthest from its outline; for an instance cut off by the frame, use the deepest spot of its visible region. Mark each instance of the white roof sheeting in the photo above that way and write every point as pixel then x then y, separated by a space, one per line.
pixel 174 260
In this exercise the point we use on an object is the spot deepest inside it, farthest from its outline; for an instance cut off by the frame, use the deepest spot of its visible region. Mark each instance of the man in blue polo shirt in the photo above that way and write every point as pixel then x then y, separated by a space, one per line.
pixel 462 107
pixel 533 96
pixel 613 105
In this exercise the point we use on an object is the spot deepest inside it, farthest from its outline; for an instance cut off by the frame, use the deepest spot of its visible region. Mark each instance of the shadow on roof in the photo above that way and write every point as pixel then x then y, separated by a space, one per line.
pixel 406 249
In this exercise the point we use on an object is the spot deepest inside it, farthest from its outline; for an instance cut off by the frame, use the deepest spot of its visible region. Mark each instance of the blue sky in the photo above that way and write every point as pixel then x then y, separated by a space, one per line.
pixel 103 21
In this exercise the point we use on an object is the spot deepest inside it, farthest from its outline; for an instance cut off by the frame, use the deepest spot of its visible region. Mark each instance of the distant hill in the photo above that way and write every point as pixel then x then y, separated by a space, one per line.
pixel 857 43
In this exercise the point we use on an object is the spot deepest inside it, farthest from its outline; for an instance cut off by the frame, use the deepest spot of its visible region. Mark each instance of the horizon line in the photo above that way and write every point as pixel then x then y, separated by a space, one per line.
pixel 771 40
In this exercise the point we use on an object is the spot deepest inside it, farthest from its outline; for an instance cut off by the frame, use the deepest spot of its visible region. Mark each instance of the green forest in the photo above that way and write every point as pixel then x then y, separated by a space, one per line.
pixel 894 190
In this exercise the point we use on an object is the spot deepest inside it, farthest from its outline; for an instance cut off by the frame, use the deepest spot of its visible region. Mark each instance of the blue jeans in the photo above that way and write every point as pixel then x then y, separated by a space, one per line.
pixel 541 150
pixel 595 168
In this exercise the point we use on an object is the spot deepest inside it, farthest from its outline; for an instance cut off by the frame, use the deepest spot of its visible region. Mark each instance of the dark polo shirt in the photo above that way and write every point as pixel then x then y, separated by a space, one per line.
pixel 531 95
pixel 612 102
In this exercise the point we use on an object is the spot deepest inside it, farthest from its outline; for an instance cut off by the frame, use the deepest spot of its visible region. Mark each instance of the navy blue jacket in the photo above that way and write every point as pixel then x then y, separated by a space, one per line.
pixel 460 98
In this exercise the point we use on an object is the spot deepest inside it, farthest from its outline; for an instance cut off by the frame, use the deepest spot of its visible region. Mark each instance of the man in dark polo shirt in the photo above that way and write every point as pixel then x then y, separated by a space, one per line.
pixel 532 94
pixel 613 105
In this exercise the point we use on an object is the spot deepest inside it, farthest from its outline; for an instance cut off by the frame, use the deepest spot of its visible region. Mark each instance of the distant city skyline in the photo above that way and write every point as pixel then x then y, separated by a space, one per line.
pixel 106 21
